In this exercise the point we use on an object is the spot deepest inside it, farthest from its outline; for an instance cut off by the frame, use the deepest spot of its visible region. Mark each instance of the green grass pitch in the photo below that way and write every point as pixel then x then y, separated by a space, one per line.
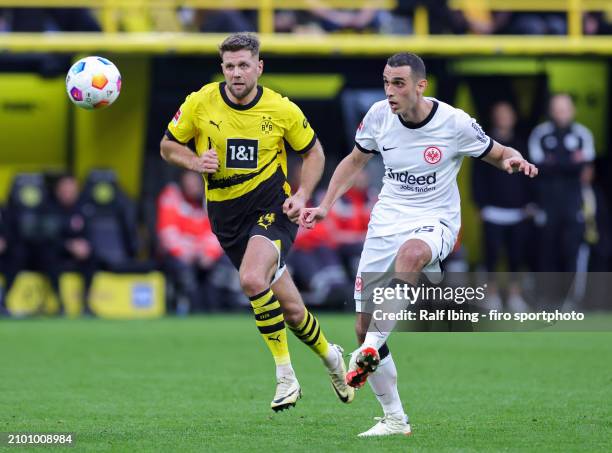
pixel 205 384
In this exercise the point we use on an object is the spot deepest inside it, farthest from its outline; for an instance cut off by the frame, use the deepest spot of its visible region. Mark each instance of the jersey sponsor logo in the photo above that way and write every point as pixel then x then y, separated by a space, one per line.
pixel 432 155
pixel 177 117
pixel 358 284
pixel 480 134
pixel 266 220
pixel 241 153
pixel 305 123
pixel 413 183
pixel 266 125
pixel 388 149
pixel 409 178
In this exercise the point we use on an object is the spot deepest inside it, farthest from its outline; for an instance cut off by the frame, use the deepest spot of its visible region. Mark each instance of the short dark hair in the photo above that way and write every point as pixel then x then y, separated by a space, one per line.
pixel 240 41
pixel 409 59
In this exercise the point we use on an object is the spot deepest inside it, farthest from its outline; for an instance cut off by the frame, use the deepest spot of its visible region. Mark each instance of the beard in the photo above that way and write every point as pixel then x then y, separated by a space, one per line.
pixel 241 94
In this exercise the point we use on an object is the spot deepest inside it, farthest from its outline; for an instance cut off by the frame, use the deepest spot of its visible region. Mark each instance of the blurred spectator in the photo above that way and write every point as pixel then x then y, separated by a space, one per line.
pixel 503 201
pixel 316 267
pixel 332 20
pixel 564 151
pixel 350 217
pixel 48 233
pixel 315 264
pixel 598 23
pixel 442 19
pixel 190 251
pixel 5 22
pixel 219 20
pixel 4 259
pixel 598 228
pixel 53 19
pixel 531 23
pixel 319 18
pixel 71 249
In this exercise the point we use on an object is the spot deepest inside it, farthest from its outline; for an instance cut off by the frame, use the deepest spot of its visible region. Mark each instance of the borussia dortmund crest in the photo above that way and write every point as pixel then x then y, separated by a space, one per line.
pixel 266 220
pixel 266 125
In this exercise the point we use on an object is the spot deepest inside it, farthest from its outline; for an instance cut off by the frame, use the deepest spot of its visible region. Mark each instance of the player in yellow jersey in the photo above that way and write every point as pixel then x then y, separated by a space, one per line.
pixel 240 130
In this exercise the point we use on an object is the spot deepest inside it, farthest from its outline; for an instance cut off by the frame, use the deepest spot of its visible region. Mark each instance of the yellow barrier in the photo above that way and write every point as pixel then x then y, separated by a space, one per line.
pixel 113 296
pixel 300 45
pixel 128 296
pixel 31 294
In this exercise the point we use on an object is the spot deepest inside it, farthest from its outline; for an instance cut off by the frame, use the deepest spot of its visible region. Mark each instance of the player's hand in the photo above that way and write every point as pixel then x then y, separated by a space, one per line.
pixel 519 165
pixel 206 163
pixel 309 217
pixel 293 206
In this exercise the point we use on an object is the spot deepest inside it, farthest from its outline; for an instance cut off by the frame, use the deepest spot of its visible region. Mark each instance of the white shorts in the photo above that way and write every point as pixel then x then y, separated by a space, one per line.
pixel 379 253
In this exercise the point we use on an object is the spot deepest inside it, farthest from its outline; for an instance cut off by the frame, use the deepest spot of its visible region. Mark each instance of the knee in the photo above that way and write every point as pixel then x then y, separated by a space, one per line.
pixel 412 257
pixel 253 282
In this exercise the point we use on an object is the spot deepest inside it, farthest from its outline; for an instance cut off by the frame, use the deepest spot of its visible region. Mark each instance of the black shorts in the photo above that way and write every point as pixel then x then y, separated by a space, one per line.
pixel 259 212
pixel 275 226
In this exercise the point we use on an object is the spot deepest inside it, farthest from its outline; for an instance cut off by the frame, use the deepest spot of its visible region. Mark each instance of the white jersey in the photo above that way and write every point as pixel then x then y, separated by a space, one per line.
pixel 421 165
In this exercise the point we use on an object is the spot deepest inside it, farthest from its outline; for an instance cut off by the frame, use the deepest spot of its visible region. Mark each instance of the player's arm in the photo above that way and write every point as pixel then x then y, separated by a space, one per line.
pixel 509 160
pixel 178 154
pixel 342 179
pixel 312 168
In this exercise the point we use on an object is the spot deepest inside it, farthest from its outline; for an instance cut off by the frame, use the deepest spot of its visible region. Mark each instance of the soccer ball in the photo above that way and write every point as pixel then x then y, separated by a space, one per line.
pixel 93 83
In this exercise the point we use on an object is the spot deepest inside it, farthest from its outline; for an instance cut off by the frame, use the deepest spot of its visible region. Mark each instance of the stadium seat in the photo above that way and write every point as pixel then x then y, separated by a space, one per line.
pixel 27 199
pixel 111 218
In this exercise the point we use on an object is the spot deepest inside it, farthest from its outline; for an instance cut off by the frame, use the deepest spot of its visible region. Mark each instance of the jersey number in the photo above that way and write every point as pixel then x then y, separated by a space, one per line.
pixel 241 153
pixel 425 229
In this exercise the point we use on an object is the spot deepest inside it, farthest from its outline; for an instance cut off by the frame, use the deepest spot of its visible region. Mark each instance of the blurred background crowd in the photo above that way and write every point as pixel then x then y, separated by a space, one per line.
pixel 475 16
pixel 54 222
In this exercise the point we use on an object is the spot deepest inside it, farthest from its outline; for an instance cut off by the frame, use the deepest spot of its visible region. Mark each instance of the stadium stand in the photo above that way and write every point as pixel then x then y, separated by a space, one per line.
pixel 165 38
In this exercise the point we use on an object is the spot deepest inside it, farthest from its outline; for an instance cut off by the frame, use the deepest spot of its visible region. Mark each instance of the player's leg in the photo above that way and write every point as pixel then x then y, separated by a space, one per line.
pixel 412 257
pixel 420 249
pixel 378 254
pixel 306 328
pixel 376 260
pixel 259 263
pixel 383 381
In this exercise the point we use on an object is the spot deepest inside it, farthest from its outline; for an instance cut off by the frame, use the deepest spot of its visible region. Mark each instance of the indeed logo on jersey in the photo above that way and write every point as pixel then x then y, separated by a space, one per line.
pixel 411 182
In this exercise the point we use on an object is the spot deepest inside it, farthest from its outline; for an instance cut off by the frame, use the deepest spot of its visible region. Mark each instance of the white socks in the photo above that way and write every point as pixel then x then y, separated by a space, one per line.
pixel 331 360
pixel 375 339
pixel 384 385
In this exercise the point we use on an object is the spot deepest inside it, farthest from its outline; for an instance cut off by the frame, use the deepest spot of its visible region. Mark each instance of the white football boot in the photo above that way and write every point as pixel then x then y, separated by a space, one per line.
pixel 288 391
pixel 387 426
pixel 337 375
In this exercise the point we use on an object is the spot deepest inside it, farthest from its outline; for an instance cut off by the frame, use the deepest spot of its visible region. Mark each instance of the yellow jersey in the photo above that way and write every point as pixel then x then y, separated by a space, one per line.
pixel 250 143
pixel 249 139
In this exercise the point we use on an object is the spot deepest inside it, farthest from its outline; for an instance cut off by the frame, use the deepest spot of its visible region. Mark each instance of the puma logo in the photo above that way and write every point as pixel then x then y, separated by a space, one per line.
pixel 266 220
pixel 218 126
pixel 275 339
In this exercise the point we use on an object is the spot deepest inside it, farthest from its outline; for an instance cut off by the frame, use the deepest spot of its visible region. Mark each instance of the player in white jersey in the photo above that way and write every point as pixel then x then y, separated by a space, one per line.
pixel 415 222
